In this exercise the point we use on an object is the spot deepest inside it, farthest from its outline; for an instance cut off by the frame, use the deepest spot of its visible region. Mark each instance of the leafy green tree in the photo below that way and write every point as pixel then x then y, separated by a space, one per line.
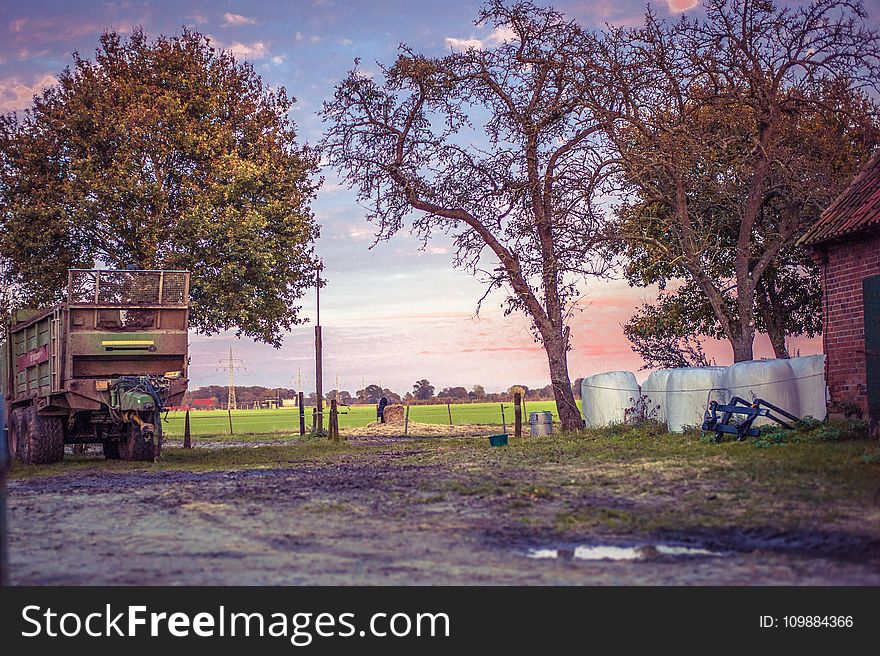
pixel 423 390
pixel 457 392
pixel 478 393
pixel 342 397
pixel 370 394
pixel 667 334
pixel 162 154
pixel 393 397
pixel 735 131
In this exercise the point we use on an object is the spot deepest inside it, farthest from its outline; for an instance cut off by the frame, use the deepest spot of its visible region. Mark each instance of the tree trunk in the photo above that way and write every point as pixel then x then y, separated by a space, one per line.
pixel 557 356
pixel 770 308
pixel 777 339
pixel 743 337
pixel 743 347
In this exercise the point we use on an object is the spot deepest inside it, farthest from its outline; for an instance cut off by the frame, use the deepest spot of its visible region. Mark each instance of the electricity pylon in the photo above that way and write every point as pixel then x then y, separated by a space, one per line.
pixel 230 364
pixel 299 384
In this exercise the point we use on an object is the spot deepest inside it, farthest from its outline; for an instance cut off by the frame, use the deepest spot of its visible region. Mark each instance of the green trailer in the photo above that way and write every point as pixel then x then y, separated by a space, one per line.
pixel 99 368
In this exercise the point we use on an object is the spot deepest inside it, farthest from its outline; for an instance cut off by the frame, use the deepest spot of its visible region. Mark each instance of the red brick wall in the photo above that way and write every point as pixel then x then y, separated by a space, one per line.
pixel 847 264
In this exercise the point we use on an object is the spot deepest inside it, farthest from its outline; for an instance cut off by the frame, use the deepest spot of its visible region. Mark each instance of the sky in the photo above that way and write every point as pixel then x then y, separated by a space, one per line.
pixel 394 313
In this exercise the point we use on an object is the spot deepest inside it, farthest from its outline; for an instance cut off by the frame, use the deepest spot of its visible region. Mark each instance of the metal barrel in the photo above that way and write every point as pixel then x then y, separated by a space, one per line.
pixel 540 423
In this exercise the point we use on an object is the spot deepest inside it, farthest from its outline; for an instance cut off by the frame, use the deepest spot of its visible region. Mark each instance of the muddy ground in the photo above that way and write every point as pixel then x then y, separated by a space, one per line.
pixel 386 510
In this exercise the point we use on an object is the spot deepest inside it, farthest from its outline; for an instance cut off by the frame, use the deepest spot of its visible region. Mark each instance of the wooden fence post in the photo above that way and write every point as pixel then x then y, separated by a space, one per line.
pixel 406 422
pixel 187 441
pixel 302 416
pixel 503 422
pixel 517 414
pixel 449 410
pixel 229 412
pixel 334 421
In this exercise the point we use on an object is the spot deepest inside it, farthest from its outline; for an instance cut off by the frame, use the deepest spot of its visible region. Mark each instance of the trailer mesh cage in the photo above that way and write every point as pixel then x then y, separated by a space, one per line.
pixel 112 287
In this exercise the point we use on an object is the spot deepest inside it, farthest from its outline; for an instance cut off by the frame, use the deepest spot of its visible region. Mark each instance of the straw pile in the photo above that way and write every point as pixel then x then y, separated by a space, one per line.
pixel 394 414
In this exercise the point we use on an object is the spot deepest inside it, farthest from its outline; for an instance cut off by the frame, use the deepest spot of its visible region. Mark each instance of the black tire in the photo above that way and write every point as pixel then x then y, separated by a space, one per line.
pixel 157 436
pixel 111 448
pixel 44 437
pixel 14 436
pixel 133 445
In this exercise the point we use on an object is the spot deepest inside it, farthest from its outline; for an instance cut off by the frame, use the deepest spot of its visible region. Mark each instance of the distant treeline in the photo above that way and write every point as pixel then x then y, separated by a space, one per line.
pixel 421 395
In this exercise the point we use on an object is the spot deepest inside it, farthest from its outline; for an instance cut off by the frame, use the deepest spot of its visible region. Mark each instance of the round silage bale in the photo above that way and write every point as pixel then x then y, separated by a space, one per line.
pixel 809 375
pixel 654 393
pixel 607 397
pixel 688 392
pixel 770 380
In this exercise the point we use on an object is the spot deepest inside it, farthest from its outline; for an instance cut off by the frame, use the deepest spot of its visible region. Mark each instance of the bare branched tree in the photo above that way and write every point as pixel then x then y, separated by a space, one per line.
pixel 495 147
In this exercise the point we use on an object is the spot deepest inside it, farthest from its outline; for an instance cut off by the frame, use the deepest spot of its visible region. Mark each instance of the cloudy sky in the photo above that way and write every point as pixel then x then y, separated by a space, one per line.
pixel 393 313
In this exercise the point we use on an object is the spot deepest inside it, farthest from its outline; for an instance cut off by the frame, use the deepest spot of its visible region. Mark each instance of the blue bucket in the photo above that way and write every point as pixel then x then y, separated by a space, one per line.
pixel 498 440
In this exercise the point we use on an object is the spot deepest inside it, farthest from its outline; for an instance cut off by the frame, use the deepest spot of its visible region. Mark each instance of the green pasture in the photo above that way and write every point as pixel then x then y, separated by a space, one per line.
pixel 212 422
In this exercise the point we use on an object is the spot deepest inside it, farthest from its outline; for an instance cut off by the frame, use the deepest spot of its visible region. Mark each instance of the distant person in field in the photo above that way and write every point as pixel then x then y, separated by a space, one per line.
pixel 380 411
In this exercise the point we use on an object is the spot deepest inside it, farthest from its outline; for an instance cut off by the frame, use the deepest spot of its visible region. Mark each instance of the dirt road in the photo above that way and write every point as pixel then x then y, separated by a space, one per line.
pixel 420 512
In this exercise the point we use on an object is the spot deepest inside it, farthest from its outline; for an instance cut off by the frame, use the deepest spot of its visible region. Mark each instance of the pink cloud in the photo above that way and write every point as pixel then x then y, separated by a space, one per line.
pixel 502 348
pixel 15 94
pixel 29 33
pixel 256 50
pixel 678 6
pixel 237 19
pixel 599 12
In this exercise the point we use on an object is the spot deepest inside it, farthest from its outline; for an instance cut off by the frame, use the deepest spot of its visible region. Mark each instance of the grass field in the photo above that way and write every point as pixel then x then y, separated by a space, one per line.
pixel 214 422
pixel 792 507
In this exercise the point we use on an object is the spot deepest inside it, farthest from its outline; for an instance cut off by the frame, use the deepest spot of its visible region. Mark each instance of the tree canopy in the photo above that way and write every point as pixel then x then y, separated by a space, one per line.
pixel 423 390
pixel 737 130
pixel 162 154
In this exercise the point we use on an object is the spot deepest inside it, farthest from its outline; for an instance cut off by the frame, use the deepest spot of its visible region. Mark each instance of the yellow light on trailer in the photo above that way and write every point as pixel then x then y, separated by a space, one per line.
pixel 127 342
pixel 102 385
pixel 173 375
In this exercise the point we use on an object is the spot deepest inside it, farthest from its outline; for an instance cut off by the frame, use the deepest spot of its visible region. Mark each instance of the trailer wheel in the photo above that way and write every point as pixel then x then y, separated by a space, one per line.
pixel 44 437
pixel 111 448
pixel 133 445
pixel 14 438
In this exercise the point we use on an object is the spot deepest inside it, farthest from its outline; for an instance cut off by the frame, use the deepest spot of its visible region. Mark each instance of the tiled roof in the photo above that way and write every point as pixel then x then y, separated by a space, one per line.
pixel 856 209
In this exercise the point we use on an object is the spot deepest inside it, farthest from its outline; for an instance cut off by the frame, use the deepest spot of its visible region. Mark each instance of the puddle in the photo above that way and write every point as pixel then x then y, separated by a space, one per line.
pixel 608 552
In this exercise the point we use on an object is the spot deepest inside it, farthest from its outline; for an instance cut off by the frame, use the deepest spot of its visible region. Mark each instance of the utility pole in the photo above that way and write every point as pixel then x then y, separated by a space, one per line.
pixel 230 364
pixel 337 388
pixel 319 365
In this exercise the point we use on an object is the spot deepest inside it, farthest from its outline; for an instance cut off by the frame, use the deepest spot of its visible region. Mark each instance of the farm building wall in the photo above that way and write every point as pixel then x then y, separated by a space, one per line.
pixel 844 265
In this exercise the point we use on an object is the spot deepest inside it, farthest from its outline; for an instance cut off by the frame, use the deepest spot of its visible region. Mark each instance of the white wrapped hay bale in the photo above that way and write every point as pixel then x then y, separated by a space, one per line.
pixel 607 397
pixel 770 380
pixel 654 393
pixel 809 375
pixel 688 392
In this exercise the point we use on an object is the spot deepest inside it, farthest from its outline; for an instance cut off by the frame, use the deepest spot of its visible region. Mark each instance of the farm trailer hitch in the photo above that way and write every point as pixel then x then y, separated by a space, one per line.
pixel 140 399
pixel 726 424
pixel 147 428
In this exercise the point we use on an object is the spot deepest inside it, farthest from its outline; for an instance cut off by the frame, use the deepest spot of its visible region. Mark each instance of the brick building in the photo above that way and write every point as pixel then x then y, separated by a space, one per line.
pixel 204 404
pixel 845 242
